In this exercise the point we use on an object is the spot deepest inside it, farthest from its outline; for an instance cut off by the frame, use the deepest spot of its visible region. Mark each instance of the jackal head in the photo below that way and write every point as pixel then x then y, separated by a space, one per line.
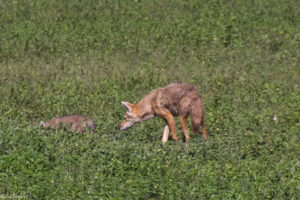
pixel 131 115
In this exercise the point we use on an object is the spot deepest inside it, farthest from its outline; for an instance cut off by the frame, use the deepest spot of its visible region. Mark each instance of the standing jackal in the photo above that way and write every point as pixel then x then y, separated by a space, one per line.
pixel 175 99
pixel 71 122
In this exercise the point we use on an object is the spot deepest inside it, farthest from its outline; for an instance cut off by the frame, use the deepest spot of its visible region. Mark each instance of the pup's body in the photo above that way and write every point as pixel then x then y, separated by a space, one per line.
pixel 176 99
pixel 76 123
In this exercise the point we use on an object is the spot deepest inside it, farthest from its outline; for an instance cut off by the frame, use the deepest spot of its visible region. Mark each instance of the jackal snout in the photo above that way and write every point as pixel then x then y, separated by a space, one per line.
pixel 131 116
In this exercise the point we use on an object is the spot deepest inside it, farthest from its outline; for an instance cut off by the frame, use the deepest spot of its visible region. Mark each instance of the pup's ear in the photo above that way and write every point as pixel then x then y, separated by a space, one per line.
pixel 127 105
pixel 42 123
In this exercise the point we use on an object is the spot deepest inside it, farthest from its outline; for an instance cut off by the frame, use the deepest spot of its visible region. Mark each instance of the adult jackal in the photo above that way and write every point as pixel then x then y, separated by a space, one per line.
pixel 71 122
pixel 175 99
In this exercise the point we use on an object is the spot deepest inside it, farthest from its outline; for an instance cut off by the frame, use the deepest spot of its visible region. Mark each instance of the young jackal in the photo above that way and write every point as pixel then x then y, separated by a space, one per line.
pixel 71 122
pixel 176 99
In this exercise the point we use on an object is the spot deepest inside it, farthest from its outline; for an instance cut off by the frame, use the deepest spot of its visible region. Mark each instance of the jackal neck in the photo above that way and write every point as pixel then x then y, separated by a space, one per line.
pixel 144 107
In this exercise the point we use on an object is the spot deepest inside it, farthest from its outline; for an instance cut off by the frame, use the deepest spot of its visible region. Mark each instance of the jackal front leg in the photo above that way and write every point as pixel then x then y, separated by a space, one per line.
pixel 169 117
pixel 166 134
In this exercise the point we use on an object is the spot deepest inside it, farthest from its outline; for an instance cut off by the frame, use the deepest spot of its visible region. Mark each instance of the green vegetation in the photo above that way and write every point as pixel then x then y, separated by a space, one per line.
pixel 85 57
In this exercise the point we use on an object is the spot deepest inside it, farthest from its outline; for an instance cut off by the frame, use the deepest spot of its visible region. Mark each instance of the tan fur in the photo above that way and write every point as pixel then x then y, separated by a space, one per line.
pixel 72 122
pixel 176 99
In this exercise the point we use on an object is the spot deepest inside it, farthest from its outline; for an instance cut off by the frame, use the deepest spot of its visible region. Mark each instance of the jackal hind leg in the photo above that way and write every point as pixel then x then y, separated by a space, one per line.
pixel 183 123
pixel 204 130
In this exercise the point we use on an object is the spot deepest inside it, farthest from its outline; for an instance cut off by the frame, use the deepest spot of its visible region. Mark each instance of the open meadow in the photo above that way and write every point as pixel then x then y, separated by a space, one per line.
pixel 85 57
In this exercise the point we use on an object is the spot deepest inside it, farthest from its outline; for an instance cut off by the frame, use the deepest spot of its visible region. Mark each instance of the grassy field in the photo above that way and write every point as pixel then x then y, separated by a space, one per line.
pixel 85 57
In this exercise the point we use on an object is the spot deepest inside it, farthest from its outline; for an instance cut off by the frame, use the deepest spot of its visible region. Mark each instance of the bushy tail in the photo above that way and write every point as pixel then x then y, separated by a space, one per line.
pixel 197 115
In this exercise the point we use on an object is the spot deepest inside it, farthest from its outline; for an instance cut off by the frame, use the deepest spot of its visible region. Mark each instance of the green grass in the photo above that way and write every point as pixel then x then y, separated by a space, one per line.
pixel 85 57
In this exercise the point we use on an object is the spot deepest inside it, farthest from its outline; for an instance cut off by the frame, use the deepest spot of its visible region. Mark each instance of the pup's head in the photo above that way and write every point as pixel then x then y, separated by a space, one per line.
pixel 44 125
pixel 91 125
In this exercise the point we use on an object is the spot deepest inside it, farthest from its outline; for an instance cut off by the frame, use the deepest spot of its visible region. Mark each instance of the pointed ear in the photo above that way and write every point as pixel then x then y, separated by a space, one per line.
pixel 42 123
pixel 127 105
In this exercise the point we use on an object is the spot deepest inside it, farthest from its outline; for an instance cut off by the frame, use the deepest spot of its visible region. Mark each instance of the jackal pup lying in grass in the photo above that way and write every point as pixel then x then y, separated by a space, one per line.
pixel 76 123
pixel 175 99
